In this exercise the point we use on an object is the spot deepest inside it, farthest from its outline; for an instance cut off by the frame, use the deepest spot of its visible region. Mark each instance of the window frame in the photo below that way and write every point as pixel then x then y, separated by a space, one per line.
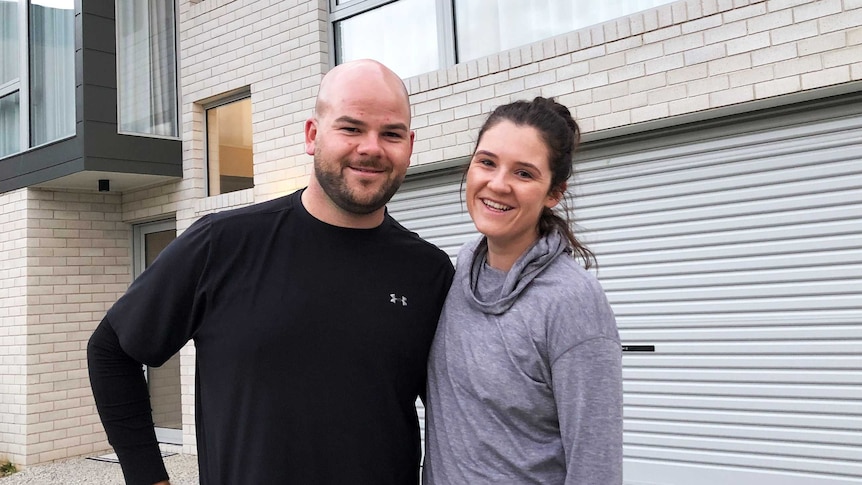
pixel 223 100
pixel 446 52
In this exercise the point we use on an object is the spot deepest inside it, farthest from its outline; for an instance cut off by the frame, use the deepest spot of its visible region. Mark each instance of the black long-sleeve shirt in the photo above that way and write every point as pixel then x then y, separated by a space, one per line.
pixel 311 343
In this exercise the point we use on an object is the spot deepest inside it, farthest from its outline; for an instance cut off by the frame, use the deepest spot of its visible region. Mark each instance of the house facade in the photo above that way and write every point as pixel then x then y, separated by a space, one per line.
pixel 719 183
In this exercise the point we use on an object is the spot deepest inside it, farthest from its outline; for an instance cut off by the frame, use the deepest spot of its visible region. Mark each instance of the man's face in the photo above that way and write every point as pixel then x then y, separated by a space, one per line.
pixel 361 143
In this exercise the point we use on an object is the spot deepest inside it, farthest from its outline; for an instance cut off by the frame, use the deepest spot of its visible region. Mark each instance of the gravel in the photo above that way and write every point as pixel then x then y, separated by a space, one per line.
pixel 183 470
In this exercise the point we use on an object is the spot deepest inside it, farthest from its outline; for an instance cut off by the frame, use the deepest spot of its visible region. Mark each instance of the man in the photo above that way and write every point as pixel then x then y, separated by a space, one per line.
pixel 312 316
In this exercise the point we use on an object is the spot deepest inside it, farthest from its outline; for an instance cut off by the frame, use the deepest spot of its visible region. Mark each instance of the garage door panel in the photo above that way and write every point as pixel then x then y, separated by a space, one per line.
pixel 726 244
pixel 684 472
pixel 752 268
pixel 682 223
pixel 705 292
pixel 748 187
pixel 764 458
pixel 596 167
pixel 834 302
pixel 675 403
pixel 633 320
pixel 746 333
pixel 717 416
pixel 787 448
pixel 745 390
pixel 666 360
pixel 760 276
pixel 774 376
pixel 803 195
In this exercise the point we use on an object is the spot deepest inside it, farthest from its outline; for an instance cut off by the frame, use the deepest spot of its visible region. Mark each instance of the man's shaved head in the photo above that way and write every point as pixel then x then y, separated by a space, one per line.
pixel 359 74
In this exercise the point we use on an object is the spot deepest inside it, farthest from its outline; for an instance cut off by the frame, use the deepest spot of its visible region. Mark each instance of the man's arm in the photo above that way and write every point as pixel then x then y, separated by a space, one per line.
pixel 123 402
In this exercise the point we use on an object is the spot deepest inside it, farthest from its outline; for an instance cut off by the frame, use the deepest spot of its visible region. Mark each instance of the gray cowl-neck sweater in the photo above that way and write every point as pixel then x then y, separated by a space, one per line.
pixel 524 376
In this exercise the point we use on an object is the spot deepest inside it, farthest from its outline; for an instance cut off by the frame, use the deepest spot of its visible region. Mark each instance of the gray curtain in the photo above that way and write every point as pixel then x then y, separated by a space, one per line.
pixel 146 63
pixel 52 71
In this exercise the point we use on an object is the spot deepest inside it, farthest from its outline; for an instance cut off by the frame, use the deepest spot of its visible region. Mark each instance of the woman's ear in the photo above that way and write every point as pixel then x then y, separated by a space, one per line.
pixel 556 195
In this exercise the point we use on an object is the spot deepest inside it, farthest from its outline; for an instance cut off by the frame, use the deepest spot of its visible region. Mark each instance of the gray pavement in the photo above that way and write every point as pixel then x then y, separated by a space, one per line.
pixel 183 470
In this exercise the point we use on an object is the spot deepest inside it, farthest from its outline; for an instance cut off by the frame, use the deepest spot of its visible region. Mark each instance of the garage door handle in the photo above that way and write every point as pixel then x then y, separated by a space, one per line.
pixel 638 348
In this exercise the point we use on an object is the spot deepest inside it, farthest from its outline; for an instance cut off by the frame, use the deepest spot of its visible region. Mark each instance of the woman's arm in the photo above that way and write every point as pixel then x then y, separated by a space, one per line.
pixel 587 384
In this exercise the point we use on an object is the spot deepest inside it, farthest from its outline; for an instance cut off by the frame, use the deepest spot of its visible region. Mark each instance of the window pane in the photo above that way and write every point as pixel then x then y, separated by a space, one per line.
pixel 52 70
pixel 229 153
pixel 147 67
pixel 9 50
pixel 9 125
pixel 402 35
pixel 484 27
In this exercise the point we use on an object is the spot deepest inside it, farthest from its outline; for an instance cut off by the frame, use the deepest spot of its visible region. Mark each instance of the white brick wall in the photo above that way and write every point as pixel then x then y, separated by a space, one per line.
pixel 13 325
pixel 69 261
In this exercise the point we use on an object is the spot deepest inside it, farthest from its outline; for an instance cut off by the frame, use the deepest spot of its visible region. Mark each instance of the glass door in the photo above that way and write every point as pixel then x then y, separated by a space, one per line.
pixel 164 381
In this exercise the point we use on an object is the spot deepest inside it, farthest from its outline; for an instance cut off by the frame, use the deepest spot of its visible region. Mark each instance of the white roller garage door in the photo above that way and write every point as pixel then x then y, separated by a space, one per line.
pixel 735 249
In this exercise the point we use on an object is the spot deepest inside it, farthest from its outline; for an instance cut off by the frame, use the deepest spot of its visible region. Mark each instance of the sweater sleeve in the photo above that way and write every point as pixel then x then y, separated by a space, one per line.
pixel 586 377
pixel 587 382
pixel 123 402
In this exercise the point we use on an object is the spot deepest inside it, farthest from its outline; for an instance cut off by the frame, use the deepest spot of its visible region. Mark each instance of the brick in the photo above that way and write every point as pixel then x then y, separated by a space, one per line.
pixel 727 97
pixel 842 57
pixel 751 76
pixel 683 44
pixel 750 11
pixel 591 81
pixel 777 87
pixel 607 62
pixel 644 53
pixel 701 24
pixel 689 105
pixel 793 33
pixel 708 85
pixel 817 9
pixel 725 32
pixel 774 54
pixel 798 65
pixel 748 43
pixel 841 21
pixel 826 77
pixel 729 64
pixel 687 74
pixel 821 43
pixel 650 113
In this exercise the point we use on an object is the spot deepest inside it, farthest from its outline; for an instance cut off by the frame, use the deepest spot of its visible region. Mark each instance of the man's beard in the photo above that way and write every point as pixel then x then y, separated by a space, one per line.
pixel 335 186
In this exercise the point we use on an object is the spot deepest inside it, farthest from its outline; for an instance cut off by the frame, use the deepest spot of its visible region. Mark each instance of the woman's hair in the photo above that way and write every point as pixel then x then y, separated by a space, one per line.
pixel 561 135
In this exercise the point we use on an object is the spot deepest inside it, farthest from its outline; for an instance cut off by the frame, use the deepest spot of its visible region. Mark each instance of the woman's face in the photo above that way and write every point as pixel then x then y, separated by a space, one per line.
pixel 508 185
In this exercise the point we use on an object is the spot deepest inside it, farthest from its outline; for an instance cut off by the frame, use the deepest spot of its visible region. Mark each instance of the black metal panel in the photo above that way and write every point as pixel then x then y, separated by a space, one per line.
pixel 100 35
pixel 103 141
pixel 96 146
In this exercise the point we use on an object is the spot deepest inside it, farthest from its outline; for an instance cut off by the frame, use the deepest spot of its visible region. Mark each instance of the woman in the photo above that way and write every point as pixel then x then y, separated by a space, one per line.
pixel 524 376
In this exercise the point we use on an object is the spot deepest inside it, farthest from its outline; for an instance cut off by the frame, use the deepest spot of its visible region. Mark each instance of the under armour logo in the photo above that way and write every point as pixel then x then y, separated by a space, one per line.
pixel 396 299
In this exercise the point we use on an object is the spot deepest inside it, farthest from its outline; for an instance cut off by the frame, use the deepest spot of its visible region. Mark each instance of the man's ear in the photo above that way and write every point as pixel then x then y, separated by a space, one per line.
pixel 310 135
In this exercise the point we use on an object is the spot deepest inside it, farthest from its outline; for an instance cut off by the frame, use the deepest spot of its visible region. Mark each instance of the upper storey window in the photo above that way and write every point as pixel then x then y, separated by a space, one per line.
pixel 416 36
pixel 147 67
pixel 37 73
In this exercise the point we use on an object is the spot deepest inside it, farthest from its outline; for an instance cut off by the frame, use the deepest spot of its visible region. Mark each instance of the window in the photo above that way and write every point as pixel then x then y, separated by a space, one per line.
pixel 52 70
pixel 416 36
pixel 147 68
pixel 229 146
pixel 399 27
pixel 37 73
